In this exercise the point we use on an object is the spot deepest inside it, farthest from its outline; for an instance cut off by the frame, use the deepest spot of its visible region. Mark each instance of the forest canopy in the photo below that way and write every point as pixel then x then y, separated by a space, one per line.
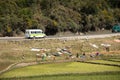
pixel 53 16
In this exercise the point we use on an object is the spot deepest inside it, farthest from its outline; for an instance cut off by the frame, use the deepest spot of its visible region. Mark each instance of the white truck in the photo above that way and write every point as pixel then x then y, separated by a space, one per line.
pixel 34 33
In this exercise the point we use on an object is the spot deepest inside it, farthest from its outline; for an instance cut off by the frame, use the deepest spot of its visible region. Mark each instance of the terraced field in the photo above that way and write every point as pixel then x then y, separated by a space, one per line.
pixel 60 69
pixel 106 62
pixel 106 66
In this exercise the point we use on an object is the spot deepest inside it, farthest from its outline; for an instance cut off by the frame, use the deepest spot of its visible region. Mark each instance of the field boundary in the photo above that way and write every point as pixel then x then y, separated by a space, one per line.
pixel 8 68
pixel 100 63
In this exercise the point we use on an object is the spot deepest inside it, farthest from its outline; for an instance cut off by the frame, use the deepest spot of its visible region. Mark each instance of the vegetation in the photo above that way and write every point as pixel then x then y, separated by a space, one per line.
pixel 106 68
pixel 13 51
pixel 58 68
pixel 55 16
pixel 106 62
pixel 72 77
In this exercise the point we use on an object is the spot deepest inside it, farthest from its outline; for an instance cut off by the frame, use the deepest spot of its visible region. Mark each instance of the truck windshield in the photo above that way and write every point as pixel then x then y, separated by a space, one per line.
pixel 35 32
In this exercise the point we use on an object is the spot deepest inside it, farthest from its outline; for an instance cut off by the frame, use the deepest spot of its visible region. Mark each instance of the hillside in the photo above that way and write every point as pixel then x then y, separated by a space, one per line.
pixel 55 16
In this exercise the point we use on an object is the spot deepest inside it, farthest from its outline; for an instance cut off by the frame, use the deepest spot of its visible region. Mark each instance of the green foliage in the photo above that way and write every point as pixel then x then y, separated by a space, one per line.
pixel 114 3
pixel 72 15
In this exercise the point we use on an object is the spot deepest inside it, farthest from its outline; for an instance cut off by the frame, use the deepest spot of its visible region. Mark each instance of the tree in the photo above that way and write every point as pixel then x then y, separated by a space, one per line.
pixel 114 3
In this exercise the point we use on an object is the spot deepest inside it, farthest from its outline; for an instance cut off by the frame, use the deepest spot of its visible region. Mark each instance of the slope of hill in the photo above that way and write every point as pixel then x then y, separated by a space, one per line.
pixel 55 16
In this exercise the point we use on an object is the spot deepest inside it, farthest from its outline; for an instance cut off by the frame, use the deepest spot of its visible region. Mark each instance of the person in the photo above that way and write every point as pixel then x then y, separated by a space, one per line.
pixel 53 57
pixel 84 54
pixel 107 49
pixel 37 56
pixel 23 56
pixel 43 56
pixel 97 54
pixel 77 55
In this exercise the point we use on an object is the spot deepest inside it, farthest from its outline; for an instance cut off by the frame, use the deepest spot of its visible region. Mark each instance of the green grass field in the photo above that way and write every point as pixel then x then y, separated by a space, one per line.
pixel 105 62
pixel 72 77
pixel 115 60
pixel 58 68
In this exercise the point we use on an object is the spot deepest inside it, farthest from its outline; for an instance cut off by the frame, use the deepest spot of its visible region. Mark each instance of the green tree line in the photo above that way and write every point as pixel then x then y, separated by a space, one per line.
pixel 53 16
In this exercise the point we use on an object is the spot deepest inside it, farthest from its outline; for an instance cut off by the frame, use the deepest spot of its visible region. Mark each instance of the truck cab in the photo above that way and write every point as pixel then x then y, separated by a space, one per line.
pixel 116 28
pixel 34 33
